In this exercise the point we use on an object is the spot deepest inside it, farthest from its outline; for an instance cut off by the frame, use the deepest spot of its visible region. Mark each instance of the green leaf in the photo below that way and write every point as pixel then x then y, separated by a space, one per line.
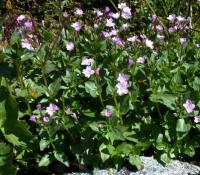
pixel 104 152
pixel 61 157
pixel 43 144
pixel 46 160
pixel 54 87
pixel 182 126
pixel 136 161
pixel 6 165
pixel 124 148
pixel 91 88
pixel 165 158
pixel 166 99
pixel 49 67
pixel 94 126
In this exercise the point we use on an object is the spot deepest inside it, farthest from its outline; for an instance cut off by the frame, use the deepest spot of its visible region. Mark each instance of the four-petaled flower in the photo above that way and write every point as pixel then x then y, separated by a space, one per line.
pixel 88 71
pixel 51 109
pixel 189 106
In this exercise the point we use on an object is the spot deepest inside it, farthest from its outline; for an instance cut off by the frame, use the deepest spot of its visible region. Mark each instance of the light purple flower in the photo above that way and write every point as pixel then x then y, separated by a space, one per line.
pixel 39 106
pixel 133 39
pixel 122 88
pixel 97 71
pixel 70 46
pixel 197 119
pixel 110 23
pixel 117 41
pixel 149 43
pixel 87 61
pixel 122 78
pixel 116 15
pixel 183 40
pixel 98 13
pixel 107 112
pixel 78 11
pixel 125 26
pixel 65 14
pixel 126 13
pixel 76 26
pixel 45 119
pixel 107 9
pixel 171 17
pixel 161 37
pixel 88 71
pixel 51 109
pixel 113 32
pixel 106 34
pixel 20 18
pixel 141 60
pixel 154 18
pixel 189 106
pixel 25 43
pixel 171 30
pixel 180 19
pixel 122 5
pixel 74 116
pixel 28 24
pixel 159 28
pixel 130 62
pixel 196 46
pixel 32 118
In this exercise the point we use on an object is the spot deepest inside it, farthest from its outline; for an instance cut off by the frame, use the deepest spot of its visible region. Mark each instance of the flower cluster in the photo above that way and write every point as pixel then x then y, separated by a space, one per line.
pixel 88 71
pixel 122 85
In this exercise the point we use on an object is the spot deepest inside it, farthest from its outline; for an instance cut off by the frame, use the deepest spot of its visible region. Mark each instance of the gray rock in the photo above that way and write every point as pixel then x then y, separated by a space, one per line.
pixel 152 167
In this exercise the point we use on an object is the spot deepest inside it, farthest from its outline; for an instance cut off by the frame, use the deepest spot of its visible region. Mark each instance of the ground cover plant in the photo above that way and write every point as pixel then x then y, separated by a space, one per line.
pixel 93 87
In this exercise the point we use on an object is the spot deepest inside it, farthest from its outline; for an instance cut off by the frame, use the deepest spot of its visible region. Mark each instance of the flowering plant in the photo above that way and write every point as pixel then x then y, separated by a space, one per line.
pixel 92 90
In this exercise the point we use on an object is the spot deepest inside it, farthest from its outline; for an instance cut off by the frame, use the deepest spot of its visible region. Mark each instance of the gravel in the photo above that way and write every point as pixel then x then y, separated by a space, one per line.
pixel 151 167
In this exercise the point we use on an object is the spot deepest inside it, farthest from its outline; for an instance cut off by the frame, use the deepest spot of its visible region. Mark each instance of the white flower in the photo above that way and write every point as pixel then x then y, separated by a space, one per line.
pixel 116 15
pixel 149 43
pixel 26 44
pixel 88 71
pixel 70 46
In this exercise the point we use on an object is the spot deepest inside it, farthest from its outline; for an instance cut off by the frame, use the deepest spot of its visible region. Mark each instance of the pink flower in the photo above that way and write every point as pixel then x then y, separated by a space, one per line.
pixel 32 118
pixel 141 60
pixel 159 28
pixel 117 41
pixel 130 62
pixel 74 116
pixel 122 5
pixel 189 106
pixel 25 43
pixel 45 119
pixel 116 15
pixel 122 85
pixel 20 18
pixel 183 40
pixel 197 119
pixel 70 46
pixel 65 14
pixel 87 61
pixel 122 77
pixel 51 109
pixel 154 18
pixel 28 24
pixel 98 13
pixel 122 88
pixel 78 11
pixel 113 32
pixel 39 106
pixel 133 39
pixel 125 26
pixel 76 26
pixel 149 43
pixel 106 34
pixel 110 23
pixel 126 13
pixel 171 30
pixel 180 19
pixel 108 112
pixel 97 71
pixel 171 17
pixel 107 9
pixel 88 71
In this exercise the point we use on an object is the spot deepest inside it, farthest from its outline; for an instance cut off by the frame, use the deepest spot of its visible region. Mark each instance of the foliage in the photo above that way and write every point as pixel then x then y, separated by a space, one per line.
pixel 100 92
